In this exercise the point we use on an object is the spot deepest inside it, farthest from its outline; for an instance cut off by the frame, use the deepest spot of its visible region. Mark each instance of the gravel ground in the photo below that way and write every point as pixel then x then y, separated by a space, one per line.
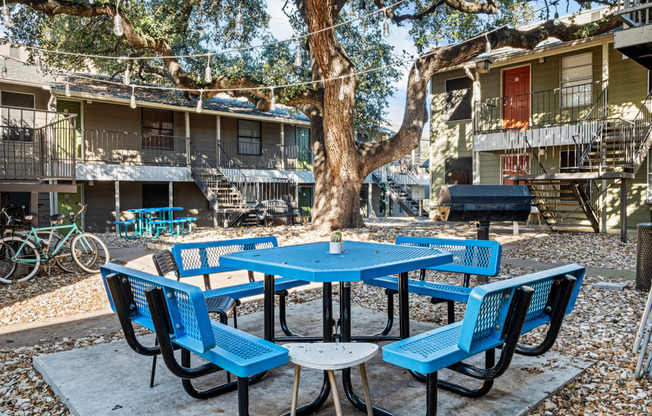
pixel 602 327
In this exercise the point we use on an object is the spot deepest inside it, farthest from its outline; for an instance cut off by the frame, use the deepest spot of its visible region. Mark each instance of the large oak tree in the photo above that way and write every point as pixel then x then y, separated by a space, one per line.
pixel 164 28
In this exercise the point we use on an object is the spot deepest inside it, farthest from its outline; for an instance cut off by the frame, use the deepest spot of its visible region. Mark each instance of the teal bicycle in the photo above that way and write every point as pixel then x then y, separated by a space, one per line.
pixel 22 254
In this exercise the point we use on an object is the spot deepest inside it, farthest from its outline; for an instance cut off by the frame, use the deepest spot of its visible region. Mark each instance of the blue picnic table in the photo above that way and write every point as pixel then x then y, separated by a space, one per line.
pixel 149 222
pixel 359 262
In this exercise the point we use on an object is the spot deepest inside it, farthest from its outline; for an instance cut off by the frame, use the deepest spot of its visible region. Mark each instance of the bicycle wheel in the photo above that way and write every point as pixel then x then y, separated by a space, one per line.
pixel 26 258
pixel 7 267
pixel 89 252
pixel 64 259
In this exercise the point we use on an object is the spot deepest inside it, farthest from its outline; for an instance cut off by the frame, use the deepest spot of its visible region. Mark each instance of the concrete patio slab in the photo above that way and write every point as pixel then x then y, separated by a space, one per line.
pixel 110 379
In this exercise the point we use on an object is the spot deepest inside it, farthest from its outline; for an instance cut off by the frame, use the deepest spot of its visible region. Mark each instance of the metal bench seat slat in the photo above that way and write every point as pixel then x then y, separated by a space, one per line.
pixel 424 288
pixel 254 288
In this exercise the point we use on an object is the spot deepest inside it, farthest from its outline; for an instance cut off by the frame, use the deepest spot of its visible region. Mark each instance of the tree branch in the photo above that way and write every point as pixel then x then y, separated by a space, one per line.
pixel 462 5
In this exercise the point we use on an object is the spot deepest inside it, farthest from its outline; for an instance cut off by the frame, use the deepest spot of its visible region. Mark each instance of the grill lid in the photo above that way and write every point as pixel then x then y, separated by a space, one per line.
pixel 485 202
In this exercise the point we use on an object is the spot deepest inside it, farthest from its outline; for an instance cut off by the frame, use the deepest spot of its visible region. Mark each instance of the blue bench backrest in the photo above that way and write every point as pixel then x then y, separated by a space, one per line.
pixel 204 258
pixel 186 304
pixel 486 310
pixel 480 257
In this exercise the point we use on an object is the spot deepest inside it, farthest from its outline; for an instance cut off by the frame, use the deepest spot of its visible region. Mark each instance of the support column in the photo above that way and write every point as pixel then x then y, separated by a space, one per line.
pixel 623 210
pixel 117 200
pixel 218 139
pixel 282 146
pixel 476 97
pixel 171 194
pixel 186 119
pixel 603 207
pixel 33 207
pixel 370 204
pixel 605 66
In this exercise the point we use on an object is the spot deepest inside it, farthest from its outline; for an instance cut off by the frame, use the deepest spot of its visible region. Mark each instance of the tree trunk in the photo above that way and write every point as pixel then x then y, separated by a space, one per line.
pixel 337 170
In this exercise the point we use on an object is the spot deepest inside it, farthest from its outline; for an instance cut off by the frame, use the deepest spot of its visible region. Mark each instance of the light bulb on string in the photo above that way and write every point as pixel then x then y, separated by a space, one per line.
pixel 297 58
pixel 200 102
pixel 4 69
pixel 341 96
pixel 272 105
pixel 132 102
pixel 239 27
pixel 126 79
pixel 417 76
pixel 487 47
pixel 556 22
pixel 362 9
pixel 386 32
pixel 67 89
pixel 208 76
pixel 39 65
pixel 6 15
pixel 117 21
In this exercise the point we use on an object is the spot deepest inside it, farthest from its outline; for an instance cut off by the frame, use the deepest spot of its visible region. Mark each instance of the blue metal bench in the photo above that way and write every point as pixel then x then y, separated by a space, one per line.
pixel 202 258
pixel 478 257
pixel 496 315
pixel 124 225
pixel 177 312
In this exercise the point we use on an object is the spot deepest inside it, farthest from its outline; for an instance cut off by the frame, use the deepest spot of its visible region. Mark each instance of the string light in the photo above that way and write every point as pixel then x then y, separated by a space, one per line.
pixel 362 9
pixel 223 52
pixel 272 105
pixel 67 89
pixel 386 32
pixel 297 58
pixel 39 65
pixel 126 79
pixel 132 102
pixel 239 27
pixel 341 96
pixel 117 21
pixel 487 47
pixel 208 76
pixel 556 22
pixel 6 15
pixel 4 69
pixel 200 102
pixel 417 76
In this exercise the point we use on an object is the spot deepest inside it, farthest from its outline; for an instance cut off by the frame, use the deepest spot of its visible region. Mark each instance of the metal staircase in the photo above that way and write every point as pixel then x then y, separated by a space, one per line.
pixel 635 40
pixel 398 191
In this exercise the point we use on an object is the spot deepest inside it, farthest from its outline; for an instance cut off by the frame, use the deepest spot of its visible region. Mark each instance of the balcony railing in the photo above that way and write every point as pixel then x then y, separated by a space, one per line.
pixel 635 12
pixel 554 107
pixel 36 145
pixel 256 155
pixel 119 147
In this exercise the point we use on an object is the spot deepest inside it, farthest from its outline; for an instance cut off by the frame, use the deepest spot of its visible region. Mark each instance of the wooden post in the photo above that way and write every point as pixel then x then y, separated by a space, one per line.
pixel 187 133
pixel 117 200
pixel 171 194
pixel 33 207
pixel 282 146
pixel 623 210
pixel 218 139
pixel 370 204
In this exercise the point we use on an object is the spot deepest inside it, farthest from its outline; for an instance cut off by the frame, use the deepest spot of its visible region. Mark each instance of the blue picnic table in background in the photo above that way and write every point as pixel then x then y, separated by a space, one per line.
pixel 150 222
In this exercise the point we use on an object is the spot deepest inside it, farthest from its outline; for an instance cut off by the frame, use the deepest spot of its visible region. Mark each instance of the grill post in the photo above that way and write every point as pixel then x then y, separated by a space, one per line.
pixel 482 227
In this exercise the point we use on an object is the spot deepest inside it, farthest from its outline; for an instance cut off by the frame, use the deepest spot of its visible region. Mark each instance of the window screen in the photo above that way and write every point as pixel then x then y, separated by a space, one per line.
pixel 459 92
pixel 459 171
pixel 158 129
pixel 576 80
pixel 18 122
pixel 249 141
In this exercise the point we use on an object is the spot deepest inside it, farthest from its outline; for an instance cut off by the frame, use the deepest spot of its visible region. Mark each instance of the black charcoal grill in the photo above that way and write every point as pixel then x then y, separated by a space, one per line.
pixel 484 203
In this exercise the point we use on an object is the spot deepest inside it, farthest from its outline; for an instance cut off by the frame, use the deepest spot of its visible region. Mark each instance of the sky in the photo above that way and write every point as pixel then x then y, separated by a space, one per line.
pixel 400 39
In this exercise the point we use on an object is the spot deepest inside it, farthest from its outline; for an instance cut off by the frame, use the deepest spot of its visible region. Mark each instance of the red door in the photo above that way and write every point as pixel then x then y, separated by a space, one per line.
pixel 514 165
pixel 516 99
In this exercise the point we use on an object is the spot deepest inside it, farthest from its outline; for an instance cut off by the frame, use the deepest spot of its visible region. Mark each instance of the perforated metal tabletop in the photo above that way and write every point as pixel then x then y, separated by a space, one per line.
pixel 359 261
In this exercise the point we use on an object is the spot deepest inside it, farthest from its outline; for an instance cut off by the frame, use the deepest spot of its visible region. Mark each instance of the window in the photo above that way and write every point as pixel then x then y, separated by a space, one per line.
pixel 459 92
pixel 158 128
pixel 576 80
pixel 249 141
pixel 458 171
pixel 18 122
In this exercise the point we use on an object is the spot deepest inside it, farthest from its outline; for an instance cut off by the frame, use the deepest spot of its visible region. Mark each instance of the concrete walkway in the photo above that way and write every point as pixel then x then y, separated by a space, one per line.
pixel 111 379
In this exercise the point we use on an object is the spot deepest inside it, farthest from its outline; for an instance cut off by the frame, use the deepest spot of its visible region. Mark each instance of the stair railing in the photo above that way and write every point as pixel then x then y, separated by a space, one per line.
pixel 590 127
pixel 642 131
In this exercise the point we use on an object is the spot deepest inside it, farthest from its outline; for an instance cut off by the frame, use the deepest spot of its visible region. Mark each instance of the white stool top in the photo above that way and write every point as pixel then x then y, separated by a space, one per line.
pixel 331 355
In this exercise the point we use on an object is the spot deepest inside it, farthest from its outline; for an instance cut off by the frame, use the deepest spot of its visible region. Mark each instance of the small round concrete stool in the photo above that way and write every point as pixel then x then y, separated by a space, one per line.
pixel 331 357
